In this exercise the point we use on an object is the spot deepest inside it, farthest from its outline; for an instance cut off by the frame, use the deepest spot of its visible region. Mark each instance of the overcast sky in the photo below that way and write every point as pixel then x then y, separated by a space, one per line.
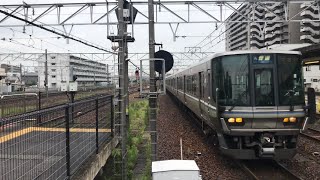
pixel 38 40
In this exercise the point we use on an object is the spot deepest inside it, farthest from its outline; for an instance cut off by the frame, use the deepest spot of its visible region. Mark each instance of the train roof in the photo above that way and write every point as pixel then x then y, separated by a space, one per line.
pixel 226 53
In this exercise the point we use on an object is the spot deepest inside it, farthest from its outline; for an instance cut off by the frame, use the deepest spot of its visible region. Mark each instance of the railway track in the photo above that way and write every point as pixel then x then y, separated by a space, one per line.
pixel 267 169
pixel 312 134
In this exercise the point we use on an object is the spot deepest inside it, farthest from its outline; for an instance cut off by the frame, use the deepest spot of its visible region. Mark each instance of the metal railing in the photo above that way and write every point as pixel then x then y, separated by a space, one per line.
pixel 15 104
pixel 53 143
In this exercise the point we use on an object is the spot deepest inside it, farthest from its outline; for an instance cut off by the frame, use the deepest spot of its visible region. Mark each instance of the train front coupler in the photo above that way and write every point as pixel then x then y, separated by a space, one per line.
pixel 265 145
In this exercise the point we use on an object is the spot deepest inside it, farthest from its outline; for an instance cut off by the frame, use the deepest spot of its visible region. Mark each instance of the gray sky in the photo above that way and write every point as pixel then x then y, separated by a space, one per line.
pixel 97 34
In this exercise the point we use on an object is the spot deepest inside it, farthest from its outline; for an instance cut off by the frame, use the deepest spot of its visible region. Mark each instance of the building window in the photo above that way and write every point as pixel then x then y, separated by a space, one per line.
pixel 53 76
pixel 308 68
pixel 53 84
pixel 304 80
pixel 53 70
pixel 53 64
pixel 314 80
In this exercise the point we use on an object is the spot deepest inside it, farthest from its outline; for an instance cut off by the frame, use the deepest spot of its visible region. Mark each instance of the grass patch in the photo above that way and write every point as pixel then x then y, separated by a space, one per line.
pixel 138 120
pixel 147 171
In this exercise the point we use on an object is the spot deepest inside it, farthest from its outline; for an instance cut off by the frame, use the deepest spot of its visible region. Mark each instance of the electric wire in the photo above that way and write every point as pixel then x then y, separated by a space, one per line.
pixel 54 30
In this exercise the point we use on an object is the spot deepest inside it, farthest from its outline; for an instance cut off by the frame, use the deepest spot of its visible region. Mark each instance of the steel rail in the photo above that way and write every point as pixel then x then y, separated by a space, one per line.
pixel 252 173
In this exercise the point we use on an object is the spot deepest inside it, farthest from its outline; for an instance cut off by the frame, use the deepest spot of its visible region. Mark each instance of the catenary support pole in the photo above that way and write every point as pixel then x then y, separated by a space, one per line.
pixel 122 91
pixel 46 72
pixel 153 94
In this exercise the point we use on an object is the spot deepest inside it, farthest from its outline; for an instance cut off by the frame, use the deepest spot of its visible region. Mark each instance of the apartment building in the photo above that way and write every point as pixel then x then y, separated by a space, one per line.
pixel 63 67
pixel 256 35
pixel 312 75
pixel 310 30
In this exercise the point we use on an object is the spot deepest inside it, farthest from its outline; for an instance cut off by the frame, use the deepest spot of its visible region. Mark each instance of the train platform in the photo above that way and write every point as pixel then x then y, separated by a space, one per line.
pixel 54 143
pixel 44 151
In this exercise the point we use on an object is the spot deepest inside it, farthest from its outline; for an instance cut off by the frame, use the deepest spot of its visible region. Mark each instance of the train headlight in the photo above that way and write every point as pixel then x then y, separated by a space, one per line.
pixel 231 120
pixel 292 119
pixel 285 120
pixel 239 120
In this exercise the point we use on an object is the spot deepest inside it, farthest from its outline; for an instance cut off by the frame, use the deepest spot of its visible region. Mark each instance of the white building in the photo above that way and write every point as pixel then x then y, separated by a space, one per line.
pixel 312 75
pixel 63 67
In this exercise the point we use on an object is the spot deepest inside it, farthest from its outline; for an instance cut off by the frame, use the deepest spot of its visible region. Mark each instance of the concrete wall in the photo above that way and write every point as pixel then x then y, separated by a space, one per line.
pixel 91 168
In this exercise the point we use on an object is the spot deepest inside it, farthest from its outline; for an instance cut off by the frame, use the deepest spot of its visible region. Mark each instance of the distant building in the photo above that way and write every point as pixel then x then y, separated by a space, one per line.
pixel 310 30
pixel 13 73
pixel 30 78
pixel 256 35
pixel 312 75
pixel 63 67
pixel 11 81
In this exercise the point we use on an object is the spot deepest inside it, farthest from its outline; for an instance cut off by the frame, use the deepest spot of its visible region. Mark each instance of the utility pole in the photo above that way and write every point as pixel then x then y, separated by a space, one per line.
pixel 153 93
pixel 120 118
pixel 21 76
pixel 46 72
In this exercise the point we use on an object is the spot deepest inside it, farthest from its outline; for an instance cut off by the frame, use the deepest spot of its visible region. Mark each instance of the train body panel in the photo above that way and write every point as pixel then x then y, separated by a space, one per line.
pixel 252 100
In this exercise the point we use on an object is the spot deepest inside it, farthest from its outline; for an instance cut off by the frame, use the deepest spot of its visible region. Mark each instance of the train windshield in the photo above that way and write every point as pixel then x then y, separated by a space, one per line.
pixel 233 81
pixel 290 79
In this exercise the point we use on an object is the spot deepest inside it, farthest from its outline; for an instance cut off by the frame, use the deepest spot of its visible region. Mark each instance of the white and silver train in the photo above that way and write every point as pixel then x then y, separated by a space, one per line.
pixel 252 101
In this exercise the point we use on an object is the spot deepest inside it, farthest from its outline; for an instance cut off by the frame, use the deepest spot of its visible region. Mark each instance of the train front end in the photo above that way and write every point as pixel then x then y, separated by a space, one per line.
pixel 260 104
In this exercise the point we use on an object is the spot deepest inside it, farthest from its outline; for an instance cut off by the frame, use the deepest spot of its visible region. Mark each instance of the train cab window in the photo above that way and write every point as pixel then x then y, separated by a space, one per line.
pixel 290 79
pixel 232 79
pixel 264 86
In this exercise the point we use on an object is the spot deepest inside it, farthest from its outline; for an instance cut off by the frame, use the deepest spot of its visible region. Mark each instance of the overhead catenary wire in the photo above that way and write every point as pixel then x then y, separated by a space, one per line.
pixel 55 32
pixel 11 40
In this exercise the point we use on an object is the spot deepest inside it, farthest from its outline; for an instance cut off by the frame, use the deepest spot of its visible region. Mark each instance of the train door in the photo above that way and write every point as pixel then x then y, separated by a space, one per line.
pixel 200 91
pixel 203 91
pixel 208 99
pixel 184 88
pixel 264 95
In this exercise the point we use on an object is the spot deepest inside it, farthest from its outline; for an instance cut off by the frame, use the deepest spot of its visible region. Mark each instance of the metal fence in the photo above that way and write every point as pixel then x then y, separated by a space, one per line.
pixel 15 104
pixel 53 143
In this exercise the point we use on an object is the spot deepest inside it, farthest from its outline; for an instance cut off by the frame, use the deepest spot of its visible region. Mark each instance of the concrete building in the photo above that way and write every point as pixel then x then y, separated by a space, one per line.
pixel 312 75
pixel 13 73
pixel 11 81
pixel 62 68
pixel 256 35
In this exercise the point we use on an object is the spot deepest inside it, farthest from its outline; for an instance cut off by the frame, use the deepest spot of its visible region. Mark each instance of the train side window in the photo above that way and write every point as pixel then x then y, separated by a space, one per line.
pixel 194 85
pixel 188 84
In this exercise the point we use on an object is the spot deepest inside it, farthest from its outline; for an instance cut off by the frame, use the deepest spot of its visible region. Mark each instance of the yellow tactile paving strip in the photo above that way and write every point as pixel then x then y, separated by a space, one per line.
pixel 44 129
